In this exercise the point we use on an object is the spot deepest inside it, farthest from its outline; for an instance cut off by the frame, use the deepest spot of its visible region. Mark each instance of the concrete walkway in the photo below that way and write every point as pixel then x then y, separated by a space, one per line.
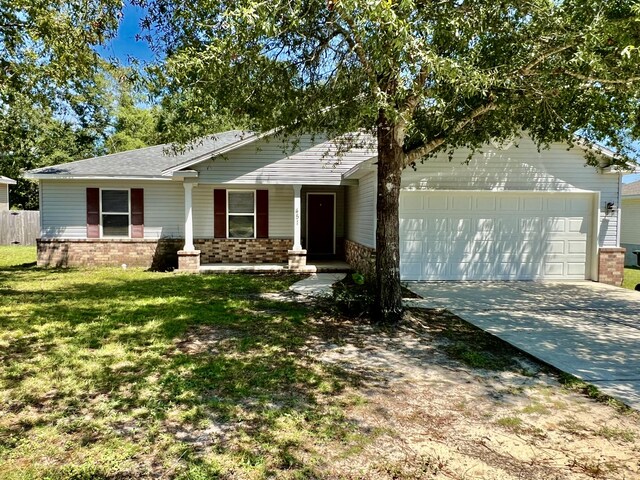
pixel 587 329
pixel 317 285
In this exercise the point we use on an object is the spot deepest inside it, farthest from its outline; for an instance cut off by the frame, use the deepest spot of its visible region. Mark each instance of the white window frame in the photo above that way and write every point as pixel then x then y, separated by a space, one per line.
pixel 128 190
pixel 254 214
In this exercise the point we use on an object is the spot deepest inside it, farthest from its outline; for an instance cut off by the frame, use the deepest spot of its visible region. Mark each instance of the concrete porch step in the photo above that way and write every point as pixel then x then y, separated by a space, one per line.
pixel 316 267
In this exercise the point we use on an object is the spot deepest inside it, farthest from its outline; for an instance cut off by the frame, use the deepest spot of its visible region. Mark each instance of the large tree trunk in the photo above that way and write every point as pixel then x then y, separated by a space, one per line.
pixel 388 299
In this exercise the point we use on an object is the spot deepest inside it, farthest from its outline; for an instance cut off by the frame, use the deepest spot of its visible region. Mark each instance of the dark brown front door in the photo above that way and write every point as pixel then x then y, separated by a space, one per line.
pixel 320 224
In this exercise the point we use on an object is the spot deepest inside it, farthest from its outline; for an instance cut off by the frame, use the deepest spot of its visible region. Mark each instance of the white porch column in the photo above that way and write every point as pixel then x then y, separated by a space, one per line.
pixel 297 213
pixel 188 217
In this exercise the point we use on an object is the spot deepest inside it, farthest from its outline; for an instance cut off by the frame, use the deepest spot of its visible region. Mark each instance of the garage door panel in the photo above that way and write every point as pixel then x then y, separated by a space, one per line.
pixel 509 224
pixel 412 202
pixel 577 225
pixel 556 204
pixel 434 271
pixel 508 204
pixel 437 203
pixel 412 270
pixel 532 204
pixel 576 247
pixel 436 247
pixel 412 224
pixel 485 203
pixel 461 202
pixel 412 247
pixel 577 270
pixel 460 225
pixel 553 269
pixel 509 237
pixel 555 225
pixel 438 225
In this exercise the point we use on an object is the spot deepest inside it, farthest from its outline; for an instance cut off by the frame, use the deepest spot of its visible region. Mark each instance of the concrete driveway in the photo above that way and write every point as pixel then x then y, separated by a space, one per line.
pixel 588 329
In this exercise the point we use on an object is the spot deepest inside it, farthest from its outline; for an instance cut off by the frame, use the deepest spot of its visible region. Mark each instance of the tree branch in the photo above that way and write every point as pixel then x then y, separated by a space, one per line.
pixel 419 152
pixel 603 81
pixel 356 46
pixel 526 70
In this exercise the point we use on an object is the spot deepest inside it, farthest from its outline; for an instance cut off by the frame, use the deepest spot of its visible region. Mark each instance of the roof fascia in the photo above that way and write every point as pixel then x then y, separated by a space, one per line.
pixel 52 176
pixel 360 169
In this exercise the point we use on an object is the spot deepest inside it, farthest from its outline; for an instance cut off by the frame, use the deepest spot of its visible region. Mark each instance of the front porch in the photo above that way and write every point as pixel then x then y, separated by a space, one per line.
pixel 295 228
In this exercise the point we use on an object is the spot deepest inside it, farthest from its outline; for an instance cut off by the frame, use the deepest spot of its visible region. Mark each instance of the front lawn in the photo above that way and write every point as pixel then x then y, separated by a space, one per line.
pixel 109 374
pixel 631 277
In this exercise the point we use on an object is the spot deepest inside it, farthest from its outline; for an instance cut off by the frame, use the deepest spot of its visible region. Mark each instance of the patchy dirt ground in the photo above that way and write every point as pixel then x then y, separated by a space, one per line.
pixel 437 398
pixel 441 417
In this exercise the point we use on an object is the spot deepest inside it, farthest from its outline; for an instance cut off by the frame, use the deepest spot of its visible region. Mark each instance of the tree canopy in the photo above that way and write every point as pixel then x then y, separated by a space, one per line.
pixel 54 100
pixel 450 73
pixel 424 77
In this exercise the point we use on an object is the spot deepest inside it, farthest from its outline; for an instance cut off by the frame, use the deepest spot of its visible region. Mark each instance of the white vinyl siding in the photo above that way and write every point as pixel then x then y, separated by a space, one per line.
pixel 63 207
pixel 361 211
pixel 520 168
pixel 495 236
pixel 4 197
pixel 280 211
pixel 630 229
pixel 313 161
pixel 630 225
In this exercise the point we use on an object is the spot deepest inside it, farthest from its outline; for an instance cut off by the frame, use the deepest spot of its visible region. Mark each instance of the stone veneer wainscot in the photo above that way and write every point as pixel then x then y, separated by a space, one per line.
pixel 253 250
pixel 361 258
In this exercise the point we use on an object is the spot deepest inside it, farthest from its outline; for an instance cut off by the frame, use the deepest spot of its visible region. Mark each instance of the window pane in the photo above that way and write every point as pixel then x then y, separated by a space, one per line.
pixel 115 201
pixel 115 225
pixel 240 226
pixel 240 202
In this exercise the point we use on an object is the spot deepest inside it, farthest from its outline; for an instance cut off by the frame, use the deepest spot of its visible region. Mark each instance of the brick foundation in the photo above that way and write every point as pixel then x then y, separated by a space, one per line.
pixel 611 265
pixel 158 254
pixel 154 254
pixel 255 250
pixel 362 259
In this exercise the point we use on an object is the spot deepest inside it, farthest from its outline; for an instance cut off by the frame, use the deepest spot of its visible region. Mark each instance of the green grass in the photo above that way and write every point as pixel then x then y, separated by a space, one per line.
pixel 631 277
pixel 111 373
pixel 17 256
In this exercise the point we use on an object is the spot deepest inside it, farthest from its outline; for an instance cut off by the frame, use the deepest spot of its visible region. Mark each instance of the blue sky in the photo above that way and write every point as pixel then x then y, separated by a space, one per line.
pixel 125 46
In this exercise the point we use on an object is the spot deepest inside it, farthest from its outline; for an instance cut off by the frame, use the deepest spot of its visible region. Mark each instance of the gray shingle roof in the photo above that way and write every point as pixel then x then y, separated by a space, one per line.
pixel 631 188
pixel 143 162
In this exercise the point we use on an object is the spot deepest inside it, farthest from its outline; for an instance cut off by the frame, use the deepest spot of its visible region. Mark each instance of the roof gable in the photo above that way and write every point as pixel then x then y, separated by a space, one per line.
pixel 310 159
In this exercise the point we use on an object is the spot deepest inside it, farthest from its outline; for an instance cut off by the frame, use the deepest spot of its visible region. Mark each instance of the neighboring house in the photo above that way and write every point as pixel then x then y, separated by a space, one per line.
pixel 630 224
pixel 4 192
pixel 510 213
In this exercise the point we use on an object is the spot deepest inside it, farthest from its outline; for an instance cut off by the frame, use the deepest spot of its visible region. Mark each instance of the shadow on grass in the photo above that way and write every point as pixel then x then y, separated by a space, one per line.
pixel 128 345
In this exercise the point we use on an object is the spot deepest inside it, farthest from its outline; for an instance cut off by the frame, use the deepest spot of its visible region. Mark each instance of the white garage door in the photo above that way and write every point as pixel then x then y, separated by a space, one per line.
pixel 493 236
